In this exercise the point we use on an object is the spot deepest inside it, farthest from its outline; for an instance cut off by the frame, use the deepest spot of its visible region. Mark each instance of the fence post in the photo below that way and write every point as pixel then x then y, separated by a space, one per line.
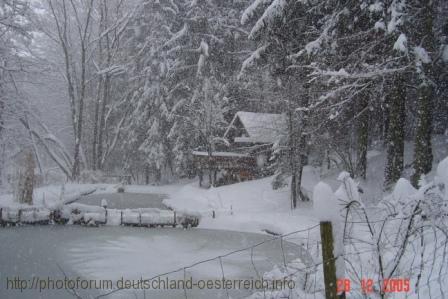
pixel 329 261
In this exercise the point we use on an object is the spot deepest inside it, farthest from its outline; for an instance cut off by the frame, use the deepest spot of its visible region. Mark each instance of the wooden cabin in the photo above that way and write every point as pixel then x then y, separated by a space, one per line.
pixel 251 137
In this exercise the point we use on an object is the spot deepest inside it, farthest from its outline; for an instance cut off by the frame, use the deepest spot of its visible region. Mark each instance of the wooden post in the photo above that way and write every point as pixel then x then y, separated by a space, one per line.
pixel 201 177
pixel 329 261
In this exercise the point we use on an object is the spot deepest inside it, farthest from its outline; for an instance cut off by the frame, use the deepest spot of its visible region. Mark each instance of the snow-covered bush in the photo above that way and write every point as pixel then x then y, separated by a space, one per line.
pixel 404 235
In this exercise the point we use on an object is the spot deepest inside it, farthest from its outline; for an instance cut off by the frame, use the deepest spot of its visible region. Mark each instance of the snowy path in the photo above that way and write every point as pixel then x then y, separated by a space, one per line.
pixel 125 200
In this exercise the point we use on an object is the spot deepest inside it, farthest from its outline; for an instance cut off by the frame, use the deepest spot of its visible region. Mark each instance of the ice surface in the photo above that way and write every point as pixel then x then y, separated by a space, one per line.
pixel 132 253
pixel 125 200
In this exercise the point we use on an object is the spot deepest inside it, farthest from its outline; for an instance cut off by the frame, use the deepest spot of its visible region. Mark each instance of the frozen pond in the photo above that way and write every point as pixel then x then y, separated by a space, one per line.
pixel 125 200
pixel 127 253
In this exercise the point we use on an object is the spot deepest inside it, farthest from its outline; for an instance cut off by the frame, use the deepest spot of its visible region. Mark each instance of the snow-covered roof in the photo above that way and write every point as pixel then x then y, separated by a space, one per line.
pixel 260 127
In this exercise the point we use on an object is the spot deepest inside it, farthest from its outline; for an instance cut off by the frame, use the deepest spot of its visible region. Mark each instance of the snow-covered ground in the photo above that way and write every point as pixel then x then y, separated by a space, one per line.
pixel 254 207
pixel 249 206
pixel 236 210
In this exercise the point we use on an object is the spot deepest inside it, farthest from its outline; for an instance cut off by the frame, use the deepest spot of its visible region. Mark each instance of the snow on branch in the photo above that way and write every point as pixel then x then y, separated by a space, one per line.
pixel 112 70
pixel 275 10
pixel 401 44
pixel 396 12
pixel 342 73
pixel 178 35
pixel 249 13
pixel 315 45
pixel 203 49
pixel 252 60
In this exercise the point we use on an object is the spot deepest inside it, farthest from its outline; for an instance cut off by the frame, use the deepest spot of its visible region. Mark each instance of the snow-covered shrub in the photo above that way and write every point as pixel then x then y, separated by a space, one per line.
pixel 404 235
pixel 187 220
pixel 120 189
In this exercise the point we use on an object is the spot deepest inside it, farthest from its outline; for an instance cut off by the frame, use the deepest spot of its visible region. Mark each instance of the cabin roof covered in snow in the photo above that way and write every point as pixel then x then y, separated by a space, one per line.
pixel 260 127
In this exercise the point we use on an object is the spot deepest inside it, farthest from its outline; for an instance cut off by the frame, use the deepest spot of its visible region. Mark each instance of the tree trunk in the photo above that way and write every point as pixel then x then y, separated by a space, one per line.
pixel 95 157
pixel 77 153
pixel 96 127
pixel 147 174
pixel 363 137
pixel 106 91
pixel 395 136
pixel 26 179
pixel 298 159
pixel 423 150
pixel 302 161
pixel 2 161
pixel 102 122
pixel 158 175
pixel 79 122
pixel 292 159
pixel 2 157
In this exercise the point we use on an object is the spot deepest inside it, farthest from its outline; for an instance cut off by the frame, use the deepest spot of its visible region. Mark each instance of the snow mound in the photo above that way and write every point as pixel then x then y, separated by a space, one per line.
pixel 403 189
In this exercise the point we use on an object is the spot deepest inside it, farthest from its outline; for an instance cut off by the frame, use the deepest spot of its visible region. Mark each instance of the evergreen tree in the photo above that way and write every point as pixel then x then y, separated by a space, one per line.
pixel 424 51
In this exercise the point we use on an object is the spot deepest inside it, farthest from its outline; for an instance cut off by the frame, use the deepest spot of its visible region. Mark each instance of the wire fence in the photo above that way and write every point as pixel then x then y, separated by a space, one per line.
pixel 369 254
pixel 290 247
pixel 378 245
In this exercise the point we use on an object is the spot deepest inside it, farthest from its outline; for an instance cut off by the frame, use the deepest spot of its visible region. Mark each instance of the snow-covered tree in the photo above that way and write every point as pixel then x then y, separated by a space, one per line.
pixel 15 37
pixel 281 28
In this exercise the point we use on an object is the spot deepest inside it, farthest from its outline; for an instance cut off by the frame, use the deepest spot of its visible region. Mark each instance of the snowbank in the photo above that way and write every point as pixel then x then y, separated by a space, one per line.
pixel 251 206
